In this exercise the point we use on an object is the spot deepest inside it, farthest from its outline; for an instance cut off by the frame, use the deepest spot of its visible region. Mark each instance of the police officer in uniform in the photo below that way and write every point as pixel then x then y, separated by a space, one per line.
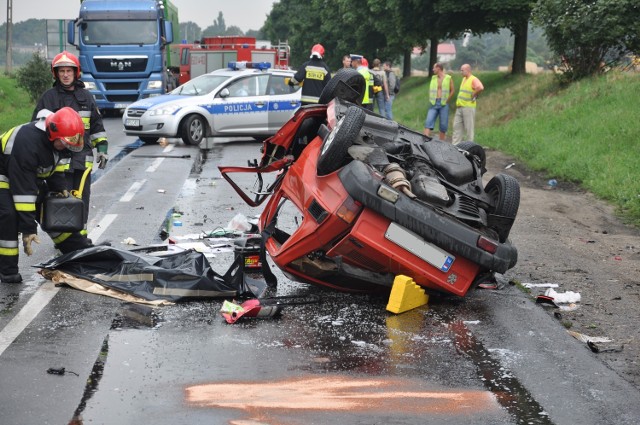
pixel 29 154
pixel 358 62
pixel 313 75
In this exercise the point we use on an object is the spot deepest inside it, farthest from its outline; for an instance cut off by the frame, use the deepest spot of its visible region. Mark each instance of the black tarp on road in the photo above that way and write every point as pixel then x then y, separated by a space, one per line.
pixel 175 277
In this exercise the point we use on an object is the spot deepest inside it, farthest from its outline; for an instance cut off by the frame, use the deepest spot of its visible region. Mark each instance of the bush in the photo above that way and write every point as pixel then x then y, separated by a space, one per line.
pixel 35 76
pixel 589 36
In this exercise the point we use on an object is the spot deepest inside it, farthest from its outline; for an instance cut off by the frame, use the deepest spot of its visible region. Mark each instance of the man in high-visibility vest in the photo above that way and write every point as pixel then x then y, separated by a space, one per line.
pixel 463 122
pixel 440 93
pixel 357 63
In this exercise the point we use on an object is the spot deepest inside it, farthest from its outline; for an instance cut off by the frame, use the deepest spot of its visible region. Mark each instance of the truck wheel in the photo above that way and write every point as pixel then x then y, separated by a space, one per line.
pixel 348 84
pixel 149 140
pixel 334 148
pixel 193 130
pixel 504 190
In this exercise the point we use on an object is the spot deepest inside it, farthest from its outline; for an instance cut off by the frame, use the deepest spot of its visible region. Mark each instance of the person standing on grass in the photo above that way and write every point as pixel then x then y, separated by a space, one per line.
pixel 394 87
pixel 440 93
pixel 464 120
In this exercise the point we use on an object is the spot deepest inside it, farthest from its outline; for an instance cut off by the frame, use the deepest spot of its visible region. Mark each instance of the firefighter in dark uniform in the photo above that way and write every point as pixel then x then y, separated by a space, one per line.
pixel 69 91
pixel 313 75
pixel 30 158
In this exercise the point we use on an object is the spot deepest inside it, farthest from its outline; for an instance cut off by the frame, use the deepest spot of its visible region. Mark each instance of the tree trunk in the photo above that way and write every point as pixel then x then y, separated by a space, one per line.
pixel 520 31
pixel 433 54
pixel 406 69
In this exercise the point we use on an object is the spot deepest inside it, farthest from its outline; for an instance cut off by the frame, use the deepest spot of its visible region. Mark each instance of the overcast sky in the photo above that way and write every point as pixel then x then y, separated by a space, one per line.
pixel 246 14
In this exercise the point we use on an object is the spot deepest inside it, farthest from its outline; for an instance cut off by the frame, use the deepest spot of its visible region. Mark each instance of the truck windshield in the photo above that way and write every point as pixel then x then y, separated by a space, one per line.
pixel 119 32
pixel 200 86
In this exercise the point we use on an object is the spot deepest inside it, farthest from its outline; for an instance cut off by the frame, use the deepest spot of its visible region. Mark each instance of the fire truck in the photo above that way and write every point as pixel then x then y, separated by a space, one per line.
pixel 213 53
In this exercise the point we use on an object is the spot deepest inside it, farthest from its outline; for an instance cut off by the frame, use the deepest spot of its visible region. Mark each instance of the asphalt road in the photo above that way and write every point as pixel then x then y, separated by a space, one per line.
pixel 493 357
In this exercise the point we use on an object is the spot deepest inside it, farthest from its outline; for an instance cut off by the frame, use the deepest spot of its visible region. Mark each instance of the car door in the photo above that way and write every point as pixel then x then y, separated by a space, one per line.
pixel 284 100
pixel 245 110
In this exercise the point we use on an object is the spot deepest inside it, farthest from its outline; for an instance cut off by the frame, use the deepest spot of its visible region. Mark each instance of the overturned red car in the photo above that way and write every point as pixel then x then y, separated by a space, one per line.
pixel 358 199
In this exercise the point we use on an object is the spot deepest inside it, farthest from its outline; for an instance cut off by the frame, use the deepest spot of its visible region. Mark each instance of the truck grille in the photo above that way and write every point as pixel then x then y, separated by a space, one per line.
pixel 116 64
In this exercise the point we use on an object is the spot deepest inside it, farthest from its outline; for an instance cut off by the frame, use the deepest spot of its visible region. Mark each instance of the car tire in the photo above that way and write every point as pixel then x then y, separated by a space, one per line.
pixel 334 150
pixel 347 84
pixel 475 149
pixel 193 130
pixel 149 140
pixel 504 190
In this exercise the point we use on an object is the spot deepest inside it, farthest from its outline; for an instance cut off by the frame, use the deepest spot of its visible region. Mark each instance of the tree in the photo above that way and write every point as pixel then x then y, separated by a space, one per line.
pixel 589 35
pixel 35 76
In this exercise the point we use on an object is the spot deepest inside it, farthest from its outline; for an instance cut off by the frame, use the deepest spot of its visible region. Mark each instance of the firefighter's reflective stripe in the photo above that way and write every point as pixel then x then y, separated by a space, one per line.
pixel 25 203
pixel 7 139
pixel 315 73
pixel 59 237
pixel 98 138
pixel 9 248
pixel 4 182
pixel 310 99
pixel 86 119
pixel 62 165
pixel 44 172
pixel 88 162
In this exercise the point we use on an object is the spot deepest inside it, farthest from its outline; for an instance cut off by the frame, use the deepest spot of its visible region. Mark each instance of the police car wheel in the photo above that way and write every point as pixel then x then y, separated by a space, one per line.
pixel 193 130
pixel 334 150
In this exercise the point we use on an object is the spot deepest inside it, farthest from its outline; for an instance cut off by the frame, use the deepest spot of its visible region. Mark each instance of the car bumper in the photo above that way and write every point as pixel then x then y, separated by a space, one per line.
pixel 160 126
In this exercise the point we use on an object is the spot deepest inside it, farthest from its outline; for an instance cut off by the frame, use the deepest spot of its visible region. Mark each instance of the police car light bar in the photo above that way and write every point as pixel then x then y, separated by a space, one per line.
pixel 249 65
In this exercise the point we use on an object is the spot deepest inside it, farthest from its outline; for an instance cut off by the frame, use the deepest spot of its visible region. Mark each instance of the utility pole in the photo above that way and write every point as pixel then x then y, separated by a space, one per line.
pixel 9 38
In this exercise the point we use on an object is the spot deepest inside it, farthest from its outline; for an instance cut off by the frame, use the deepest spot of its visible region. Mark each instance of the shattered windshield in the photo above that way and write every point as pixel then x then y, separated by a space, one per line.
pixel 200 86
pixel 119 32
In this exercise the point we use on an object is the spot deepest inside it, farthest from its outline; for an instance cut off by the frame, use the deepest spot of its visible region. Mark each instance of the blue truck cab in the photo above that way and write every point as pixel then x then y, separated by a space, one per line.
pixel 122 48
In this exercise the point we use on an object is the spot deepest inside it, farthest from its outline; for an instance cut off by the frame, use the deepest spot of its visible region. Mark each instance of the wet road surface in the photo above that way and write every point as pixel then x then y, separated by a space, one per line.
pixel 491 358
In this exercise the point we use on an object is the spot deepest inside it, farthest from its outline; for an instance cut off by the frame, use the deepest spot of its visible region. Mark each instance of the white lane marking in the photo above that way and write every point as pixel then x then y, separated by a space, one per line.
pixel 154 165
pixel 106 221
pixel 135 187
pixel 168 148
pixel 31 309
pixel 41 297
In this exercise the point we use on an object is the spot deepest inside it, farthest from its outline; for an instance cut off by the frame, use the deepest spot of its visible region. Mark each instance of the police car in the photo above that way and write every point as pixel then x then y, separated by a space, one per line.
pixel 245 99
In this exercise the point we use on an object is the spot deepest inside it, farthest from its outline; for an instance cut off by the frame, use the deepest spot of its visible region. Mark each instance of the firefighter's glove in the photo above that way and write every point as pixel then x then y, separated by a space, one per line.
pixel 26 242
pixel 102 160
pixel 102 157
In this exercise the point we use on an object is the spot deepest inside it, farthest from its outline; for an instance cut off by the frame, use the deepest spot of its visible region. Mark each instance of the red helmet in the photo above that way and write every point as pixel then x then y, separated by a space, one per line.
pixel 365 62
pixel 65 59
pixel 317 51
pixel 67 126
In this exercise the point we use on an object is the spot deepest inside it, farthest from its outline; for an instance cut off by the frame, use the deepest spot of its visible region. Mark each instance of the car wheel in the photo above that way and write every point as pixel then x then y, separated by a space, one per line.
pixel 334 148
pixel 149 140
pixel 475 150
pixel 348 84
pixel 504 191
pixel 193 130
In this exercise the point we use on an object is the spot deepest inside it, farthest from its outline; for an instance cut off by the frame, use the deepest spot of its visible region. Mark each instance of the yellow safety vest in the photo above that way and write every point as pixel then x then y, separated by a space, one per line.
pixel 433 89
pixel 465 96
pixel 369 80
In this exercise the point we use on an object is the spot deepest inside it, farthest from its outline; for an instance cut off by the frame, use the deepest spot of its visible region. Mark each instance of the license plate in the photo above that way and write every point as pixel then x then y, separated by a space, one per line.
pixel 413 243
pixel 129 122
pixel 120 105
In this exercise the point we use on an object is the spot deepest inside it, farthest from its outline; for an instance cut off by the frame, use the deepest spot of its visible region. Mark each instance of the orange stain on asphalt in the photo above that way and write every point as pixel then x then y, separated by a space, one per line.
pixel 338 393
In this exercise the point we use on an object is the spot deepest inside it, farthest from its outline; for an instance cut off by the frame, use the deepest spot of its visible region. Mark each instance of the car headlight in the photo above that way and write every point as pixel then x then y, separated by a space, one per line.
pixel 163 110
pixel 154 85
pixel 90 85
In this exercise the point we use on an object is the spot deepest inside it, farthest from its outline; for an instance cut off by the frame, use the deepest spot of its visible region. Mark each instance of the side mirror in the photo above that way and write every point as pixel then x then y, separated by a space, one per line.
pixel 224 93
